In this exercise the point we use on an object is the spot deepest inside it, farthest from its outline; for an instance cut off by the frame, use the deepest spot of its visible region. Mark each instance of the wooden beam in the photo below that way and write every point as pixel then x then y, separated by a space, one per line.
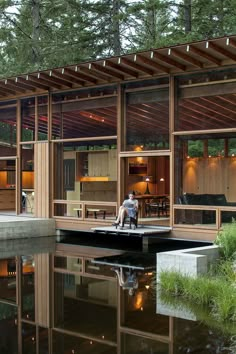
pixel 231 42
pixel 167 60
pixel 11 87
pixel 152 63
pixel 137 66
pixel 68 78
pixel 17 82
pixel 185 57
pixel 121 68
pixel 223 51
pixel 51 78
pixel 108 71
pixel 6 89
pixel 88 70
pixel 45 81
pixel 79 75
pixel 28 83
pixel 204 54
pixel 36 84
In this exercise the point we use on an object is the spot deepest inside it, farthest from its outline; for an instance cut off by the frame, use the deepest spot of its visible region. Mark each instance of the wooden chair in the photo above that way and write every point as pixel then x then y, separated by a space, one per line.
pixel 164 206
pixel 133 222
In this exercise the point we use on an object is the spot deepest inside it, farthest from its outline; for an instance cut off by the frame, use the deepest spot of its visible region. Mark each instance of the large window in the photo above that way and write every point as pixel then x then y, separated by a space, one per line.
pixel 206 101
pixel 205 168
pixel 87 113
pixel 147 120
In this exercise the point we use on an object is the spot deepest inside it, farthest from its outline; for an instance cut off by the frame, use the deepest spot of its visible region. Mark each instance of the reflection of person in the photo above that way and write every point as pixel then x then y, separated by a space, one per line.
pixel 130 282
pixel 128 208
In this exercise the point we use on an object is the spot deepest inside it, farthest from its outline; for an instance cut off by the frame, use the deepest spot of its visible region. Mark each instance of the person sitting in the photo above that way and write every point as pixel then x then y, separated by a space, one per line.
pixel 128 208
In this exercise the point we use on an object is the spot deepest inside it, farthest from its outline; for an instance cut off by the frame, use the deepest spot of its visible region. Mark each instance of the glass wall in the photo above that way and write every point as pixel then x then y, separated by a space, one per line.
pixel 28 119
pixel 205 164
pixel 85 113
pixel 206 101
pixel 34 118
pixel 42 102
pixel 88 172
pixel 8 128
pixel 147 120
pixel 27 178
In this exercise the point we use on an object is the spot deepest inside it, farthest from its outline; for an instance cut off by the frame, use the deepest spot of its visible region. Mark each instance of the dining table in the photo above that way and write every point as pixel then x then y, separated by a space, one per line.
pixel 145 199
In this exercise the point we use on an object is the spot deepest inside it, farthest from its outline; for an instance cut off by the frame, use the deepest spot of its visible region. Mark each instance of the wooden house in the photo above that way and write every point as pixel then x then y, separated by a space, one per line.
pixel 162 123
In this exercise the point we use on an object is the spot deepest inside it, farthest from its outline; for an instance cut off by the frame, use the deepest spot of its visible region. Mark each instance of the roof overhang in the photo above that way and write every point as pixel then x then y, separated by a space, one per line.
pixel 174 60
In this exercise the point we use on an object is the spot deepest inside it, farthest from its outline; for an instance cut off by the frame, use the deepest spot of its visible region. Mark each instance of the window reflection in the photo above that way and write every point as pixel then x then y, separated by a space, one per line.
pixel 8 329
pixel 28 339
pixel 70 263
pixel 27 290
pixel 8 279
pixel 82 301
pixel 63 343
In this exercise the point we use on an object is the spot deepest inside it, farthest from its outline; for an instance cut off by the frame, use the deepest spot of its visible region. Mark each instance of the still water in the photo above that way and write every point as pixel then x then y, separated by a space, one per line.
pixel 74 296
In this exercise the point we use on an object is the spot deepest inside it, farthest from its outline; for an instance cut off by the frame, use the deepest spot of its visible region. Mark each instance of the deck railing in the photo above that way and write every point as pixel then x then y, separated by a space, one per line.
pixel 81 210
pixel 202 216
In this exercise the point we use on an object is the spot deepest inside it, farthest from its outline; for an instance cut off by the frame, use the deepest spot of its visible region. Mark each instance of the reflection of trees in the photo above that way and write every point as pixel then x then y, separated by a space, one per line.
pixel 7 312
pixel 206 332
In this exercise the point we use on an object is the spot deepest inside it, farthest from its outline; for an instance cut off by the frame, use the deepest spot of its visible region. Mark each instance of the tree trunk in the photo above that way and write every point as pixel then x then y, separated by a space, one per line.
pixel 116 27
pixel 35 31
pixel 187 16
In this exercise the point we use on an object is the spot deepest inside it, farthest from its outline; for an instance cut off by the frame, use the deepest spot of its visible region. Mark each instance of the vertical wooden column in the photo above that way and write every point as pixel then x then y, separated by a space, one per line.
pixel 172 143
pixel 41 179
pixel 51 152
pixel 42 290
pixel 120 143
pixel 36 119
pixel 18 158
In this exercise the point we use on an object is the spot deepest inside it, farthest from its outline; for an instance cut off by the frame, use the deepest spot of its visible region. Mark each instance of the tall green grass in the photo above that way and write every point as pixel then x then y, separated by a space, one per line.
pixel 226 240
pixel 217 289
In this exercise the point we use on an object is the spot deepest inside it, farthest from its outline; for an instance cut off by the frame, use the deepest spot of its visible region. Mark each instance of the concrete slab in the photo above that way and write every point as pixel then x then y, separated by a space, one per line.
pixel 13 227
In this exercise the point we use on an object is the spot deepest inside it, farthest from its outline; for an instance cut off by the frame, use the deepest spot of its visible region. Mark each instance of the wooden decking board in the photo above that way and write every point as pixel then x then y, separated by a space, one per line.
pixel 140 231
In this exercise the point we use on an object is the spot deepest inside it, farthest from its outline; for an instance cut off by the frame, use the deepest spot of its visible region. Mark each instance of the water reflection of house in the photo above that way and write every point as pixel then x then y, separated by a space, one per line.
pixel 71 303
pixel 77 139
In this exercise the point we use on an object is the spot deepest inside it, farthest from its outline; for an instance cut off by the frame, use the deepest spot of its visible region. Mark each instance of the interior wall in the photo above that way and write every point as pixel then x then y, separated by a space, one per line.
pixel 215 175
pixel 159 172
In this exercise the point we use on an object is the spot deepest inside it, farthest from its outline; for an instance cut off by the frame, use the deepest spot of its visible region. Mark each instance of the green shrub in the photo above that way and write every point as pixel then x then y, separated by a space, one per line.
pixel 226 240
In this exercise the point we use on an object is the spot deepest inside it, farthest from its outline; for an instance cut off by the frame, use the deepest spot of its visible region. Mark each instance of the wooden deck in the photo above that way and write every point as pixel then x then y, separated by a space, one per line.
pixel 141 231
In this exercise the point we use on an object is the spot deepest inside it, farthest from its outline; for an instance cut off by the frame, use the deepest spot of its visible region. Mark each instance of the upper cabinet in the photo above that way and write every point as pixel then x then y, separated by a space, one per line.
pixel 97 165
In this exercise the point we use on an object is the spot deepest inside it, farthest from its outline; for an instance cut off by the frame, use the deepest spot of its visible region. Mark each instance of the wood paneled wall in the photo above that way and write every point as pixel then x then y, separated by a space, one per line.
pixel 41 159
pixel 213 175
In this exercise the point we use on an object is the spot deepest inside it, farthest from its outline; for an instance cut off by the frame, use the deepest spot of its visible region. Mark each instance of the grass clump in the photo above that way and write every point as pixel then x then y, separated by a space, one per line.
pixel 217 289
pixel 201 290
pixel 172 282
pixel 226 240
pixel 224 301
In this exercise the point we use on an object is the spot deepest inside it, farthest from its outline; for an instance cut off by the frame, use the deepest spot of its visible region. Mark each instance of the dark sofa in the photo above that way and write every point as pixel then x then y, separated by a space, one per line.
pixel 208 216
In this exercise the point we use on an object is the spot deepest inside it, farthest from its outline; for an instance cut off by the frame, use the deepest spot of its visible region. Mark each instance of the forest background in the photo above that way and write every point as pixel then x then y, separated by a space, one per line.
pixel 41 34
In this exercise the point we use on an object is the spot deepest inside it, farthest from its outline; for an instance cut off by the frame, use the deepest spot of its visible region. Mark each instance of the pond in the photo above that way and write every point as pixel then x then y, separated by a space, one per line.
pixel 72 296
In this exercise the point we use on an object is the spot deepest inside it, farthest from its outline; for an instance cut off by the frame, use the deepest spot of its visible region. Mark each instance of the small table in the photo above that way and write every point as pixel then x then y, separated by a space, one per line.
pixel 79 211
pixel 95 211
